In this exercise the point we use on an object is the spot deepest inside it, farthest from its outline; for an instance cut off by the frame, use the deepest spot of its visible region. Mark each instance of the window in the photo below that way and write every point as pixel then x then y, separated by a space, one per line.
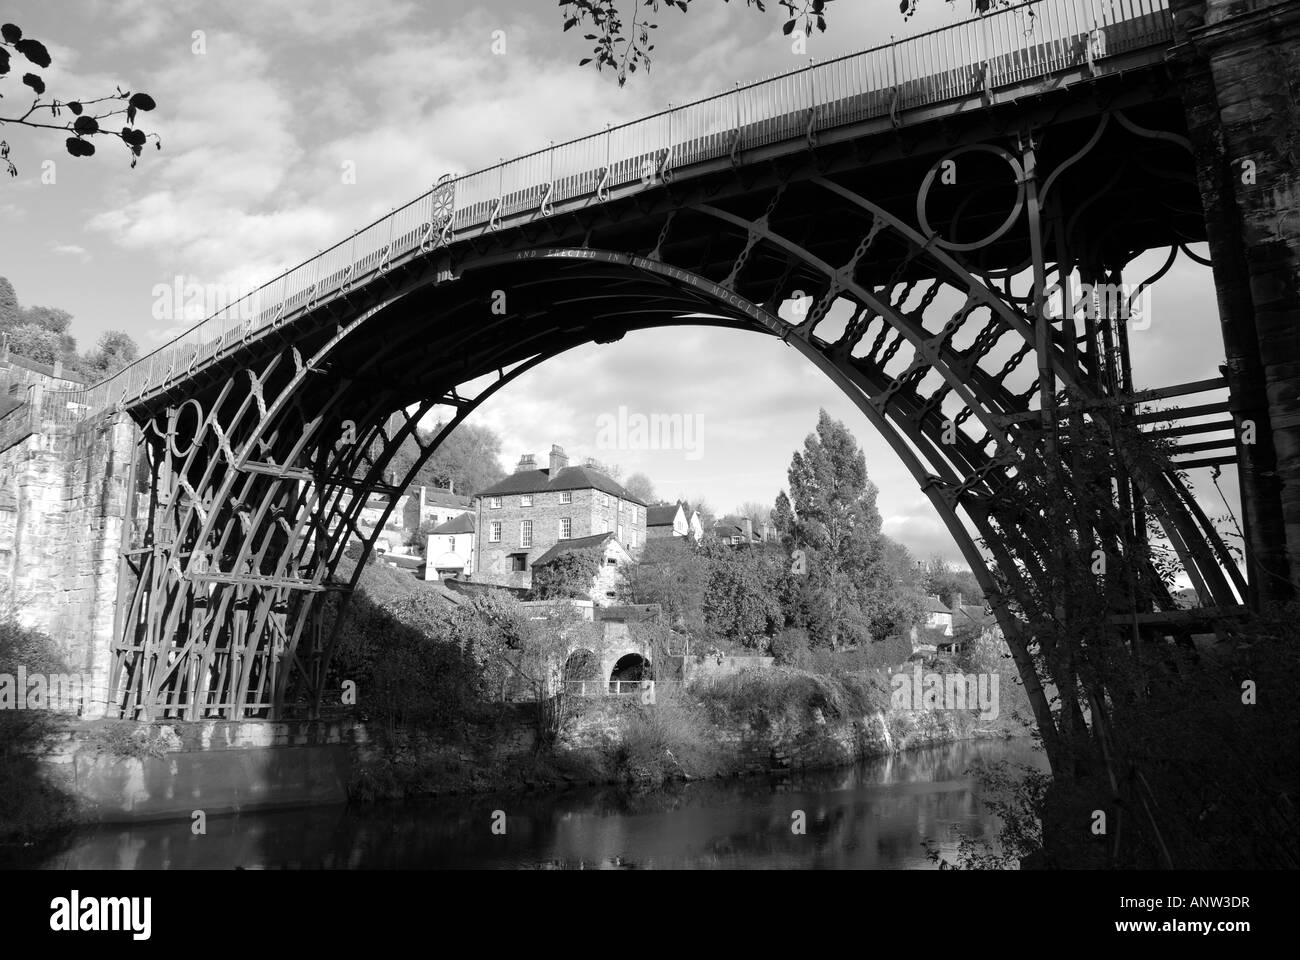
pixel 631 538
pixel 494 503
pixel 566 528
pixel 602 499
pixel 518 562
pixel 611 562
pixel 494 531
pixel 566 496
pixel 620 506
pixel 525 533
pixel 451 544
pixel 526 500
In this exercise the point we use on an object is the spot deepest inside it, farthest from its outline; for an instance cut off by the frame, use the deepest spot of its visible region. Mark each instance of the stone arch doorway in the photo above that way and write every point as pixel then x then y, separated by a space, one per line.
pixel 628 671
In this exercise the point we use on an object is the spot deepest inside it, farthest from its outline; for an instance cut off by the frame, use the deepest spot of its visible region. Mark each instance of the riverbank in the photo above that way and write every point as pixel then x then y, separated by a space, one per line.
pixel 886 813
pixel 754 722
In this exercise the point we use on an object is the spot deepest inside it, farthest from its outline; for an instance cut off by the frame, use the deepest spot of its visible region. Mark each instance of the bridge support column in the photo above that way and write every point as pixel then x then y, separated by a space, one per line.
pixel 1239 63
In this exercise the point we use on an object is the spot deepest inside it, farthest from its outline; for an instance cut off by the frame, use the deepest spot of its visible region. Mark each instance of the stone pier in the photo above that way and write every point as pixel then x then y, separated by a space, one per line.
pixel 64 496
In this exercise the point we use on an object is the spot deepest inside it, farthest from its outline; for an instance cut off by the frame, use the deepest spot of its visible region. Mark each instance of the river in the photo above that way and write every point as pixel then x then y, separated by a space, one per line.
pixel 877 814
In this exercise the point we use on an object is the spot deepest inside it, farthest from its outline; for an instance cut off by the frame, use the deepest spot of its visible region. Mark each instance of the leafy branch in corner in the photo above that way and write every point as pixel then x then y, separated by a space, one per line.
pixel 88 115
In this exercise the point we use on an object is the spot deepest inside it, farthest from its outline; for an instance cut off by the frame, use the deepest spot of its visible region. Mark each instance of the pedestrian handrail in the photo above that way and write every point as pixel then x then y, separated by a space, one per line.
pixel 1017 44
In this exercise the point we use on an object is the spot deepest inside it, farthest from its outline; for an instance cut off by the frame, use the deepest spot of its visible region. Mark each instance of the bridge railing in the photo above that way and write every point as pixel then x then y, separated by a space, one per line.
pixel 609 688
pixel 1014 45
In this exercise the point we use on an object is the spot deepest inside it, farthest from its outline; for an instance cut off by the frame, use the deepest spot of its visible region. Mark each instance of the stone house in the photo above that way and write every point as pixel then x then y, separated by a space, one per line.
pixel 449 550
pixel 613 555
pixel 523 516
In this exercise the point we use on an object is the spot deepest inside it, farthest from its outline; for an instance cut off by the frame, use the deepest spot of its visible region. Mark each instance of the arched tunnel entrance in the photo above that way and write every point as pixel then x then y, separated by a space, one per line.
pixel 629 670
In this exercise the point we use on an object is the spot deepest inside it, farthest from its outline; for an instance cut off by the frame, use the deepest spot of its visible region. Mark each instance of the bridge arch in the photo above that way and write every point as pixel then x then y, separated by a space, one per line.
pixel 256 513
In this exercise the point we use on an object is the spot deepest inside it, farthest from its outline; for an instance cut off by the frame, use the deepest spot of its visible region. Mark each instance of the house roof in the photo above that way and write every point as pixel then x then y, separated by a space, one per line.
pixel 572 546
pixel 570 478
pixel 445 498
pixel 661 516
pixel 461 524
pixel 935 605
pixel 731 527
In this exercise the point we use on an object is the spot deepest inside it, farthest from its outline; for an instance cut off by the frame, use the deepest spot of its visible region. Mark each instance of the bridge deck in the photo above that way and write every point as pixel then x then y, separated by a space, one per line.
pixel 965 65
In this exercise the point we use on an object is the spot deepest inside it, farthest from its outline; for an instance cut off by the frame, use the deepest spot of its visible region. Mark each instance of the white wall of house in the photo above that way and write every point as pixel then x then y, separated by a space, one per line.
pixel 448 551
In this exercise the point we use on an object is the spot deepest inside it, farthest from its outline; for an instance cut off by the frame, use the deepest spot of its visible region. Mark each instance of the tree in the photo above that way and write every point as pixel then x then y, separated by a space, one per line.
pixel 947 582
pixel 467 461
pixel 113 351
pixel 84 115
pixel 835 522
pixel 9 310
pixel 703 508
pixel 623 50
pixel 673 574
pixel 742 602
pixel 641 487
pixel 34 342
pixel 48 318
pixel 570 575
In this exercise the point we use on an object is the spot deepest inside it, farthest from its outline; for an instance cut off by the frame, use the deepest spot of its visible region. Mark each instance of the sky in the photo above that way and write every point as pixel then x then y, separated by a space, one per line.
pixel 263 107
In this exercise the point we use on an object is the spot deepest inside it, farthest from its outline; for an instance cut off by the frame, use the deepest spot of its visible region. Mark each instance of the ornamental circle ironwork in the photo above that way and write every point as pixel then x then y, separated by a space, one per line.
pixel 924 223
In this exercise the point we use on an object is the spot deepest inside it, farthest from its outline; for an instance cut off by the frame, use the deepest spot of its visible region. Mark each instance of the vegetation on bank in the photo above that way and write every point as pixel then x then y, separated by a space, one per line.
pixel 30 805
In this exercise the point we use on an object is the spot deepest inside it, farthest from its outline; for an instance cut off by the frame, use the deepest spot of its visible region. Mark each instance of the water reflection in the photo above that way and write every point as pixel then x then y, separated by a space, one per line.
pixel 874 815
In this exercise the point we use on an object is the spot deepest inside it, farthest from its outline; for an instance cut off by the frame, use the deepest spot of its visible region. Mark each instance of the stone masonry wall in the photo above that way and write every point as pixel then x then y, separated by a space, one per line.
pixel 65 499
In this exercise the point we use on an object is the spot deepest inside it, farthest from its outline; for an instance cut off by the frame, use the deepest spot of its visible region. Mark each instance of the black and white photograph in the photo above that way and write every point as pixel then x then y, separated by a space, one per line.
pixel 650 435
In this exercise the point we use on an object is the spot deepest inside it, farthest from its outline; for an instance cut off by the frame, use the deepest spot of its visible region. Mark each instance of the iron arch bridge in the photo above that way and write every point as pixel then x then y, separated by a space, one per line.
pixel 901 217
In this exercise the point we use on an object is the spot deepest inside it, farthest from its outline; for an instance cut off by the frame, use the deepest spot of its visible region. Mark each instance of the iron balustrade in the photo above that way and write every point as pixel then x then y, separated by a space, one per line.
pixel 1030 41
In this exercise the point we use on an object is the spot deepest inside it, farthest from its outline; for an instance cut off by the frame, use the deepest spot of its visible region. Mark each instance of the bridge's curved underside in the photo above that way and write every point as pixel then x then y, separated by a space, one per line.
pixel 258 467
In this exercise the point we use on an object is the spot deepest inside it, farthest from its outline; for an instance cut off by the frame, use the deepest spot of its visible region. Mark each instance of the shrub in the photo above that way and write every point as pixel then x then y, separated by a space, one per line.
pixel 784 692
pixel 29 805
pixel 790 648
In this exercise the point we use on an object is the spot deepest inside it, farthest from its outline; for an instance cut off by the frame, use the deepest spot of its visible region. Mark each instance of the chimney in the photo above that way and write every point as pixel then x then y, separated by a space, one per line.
pixel 526 462
pixel 748 526
pixel 58 368
pixel 559 459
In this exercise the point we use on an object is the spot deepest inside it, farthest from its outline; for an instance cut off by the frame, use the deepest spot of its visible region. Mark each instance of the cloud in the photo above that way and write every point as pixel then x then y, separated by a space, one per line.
pixel 70 250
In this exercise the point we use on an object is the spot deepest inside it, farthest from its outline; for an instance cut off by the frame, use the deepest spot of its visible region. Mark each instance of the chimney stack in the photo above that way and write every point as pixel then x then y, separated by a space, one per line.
pixel 526 462
pixel 559 459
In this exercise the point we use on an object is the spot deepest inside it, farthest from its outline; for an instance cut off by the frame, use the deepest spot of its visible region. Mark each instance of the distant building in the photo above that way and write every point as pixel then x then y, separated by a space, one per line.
pixel 666 520
pixel 735 530
pixel 449 551
pixel 937 616
pixel 523 516
pixel 694 521
pixel 972 617
pixel 432 506
pixel 673 520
